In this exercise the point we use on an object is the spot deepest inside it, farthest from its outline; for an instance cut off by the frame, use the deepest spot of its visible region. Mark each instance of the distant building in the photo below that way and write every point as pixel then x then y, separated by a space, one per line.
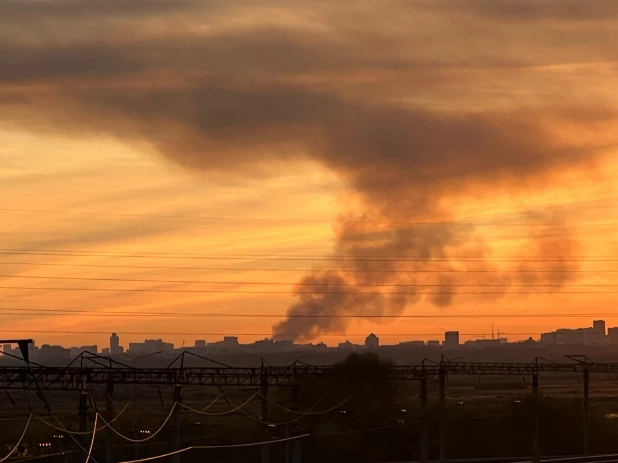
pixel 372 341
pixel 550 338
pixel 6 348
pixel 229 343
pixel 433 343
pixel 310 346
pixel 262 345
pixel 612 335
pixel 105 351
pixel 412 343
pixel 598 326
pixel 53 352
pixel 32 349
pixel 594 335
pixel 348 346
pixel 451 339
pixel 480 343
pixel 200 344
pixel 150 346
pixel 114 344
pixel 94 349
pixel 285 345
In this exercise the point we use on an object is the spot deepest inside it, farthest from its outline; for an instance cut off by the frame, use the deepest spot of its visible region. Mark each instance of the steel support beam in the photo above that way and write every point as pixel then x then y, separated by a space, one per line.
pixel 424 423
pixel 442 410
pixel 536 421
pixel 585 412
pixel 176 423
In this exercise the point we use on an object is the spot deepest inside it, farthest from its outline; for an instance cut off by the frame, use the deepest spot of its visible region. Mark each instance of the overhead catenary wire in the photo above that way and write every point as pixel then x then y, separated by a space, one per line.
pixel 227 412
pixel 79 445
pixel 308 412
pixel 151 436
pixel 300 416
pixel 94 434
pixel 21 438
pixel 222 446
pixel 81 433
pixel 317 434
pixel 214 401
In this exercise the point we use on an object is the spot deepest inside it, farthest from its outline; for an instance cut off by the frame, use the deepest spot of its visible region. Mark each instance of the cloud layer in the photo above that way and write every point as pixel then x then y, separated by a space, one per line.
pixel 412 104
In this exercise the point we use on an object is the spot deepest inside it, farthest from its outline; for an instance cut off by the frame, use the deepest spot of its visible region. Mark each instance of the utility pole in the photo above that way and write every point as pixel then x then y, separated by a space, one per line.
pixel 424 424
pixel 297 451
pixel 83 424
pixel 536 420
pixel 109 410
pixel 264 393
pixel 586 416
pixel 176 423
pixel 443 430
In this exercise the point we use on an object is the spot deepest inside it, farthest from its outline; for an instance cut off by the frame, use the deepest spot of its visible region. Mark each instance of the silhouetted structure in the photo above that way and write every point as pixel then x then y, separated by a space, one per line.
pixel 612 335
pixel 594 335
pixel 114 344
pixel 451 339
pixel 599 326
pixel 372 341
pixel 149 346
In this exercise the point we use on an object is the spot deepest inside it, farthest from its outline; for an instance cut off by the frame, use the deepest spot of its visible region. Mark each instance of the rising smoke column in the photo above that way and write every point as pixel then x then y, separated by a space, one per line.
pixel 426 262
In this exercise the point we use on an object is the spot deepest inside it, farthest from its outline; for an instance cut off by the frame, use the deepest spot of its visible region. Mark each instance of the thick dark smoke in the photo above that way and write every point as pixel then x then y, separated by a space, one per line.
pixel 383 273
pixel 392 102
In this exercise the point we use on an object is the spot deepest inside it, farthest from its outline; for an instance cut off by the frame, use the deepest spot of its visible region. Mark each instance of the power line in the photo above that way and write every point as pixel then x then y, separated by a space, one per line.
pixel 290 257
pixel 79 253
pixel 146 438
pixel 278 283
pixel 222 291
pixel 262 269
pixel 226 412
pixel 27 311
pixel 197 333
pixel 21 438
pixel 290 220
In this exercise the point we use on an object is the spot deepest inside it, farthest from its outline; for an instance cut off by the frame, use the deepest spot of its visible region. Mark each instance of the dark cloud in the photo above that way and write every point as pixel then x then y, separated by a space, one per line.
pixel 15 10
pixel 530 10
pixel 235 96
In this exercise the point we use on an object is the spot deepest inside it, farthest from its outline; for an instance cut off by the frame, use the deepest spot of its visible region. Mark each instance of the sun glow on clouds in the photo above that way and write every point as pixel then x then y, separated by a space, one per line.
pixel 494 111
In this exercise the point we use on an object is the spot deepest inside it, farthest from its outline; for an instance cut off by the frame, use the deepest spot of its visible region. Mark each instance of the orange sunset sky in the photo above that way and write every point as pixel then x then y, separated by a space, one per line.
pixel 462 153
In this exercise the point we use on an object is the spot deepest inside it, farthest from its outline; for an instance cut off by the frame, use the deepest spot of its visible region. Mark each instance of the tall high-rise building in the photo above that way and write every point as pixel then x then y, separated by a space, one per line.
pixel 451 339
pixel 372 341
pixel 114 344
pixel 599 326
pixel 612 334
